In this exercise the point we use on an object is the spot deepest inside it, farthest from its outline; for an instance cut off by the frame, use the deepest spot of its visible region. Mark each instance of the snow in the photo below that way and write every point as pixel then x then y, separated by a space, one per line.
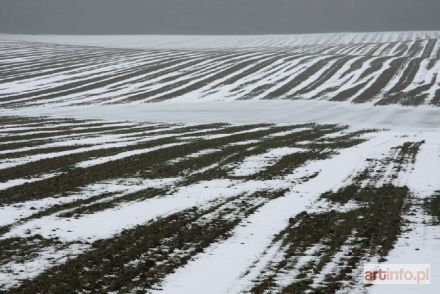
pixel 219 268
pixel 215 42
pixel 247 142
pixel 123 155
pixel 195 155
pixel 266 111
pixel 256 67
pixel 101 143
pixel 217 136
pixel 12 273
pixel 223 263
pixel 420 245
pixel 424 179
pixel 18 182
pixel 254 164
pixel 223 266
pixel 10 214
pixel 107 223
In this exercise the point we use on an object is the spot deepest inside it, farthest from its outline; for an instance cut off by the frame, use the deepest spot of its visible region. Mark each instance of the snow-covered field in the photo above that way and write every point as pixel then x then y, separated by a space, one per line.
pixel 292 190
pixel 383 69
pixel 226 41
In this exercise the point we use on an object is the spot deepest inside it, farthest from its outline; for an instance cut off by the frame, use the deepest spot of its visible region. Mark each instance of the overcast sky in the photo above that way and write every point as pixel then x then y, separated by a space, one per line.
pixel 215 16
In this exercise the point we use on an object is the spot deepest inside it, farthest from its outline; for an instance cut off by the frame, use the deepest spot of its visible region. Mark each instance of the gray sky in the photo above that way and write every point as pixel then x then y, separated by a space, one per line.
pixel 215 16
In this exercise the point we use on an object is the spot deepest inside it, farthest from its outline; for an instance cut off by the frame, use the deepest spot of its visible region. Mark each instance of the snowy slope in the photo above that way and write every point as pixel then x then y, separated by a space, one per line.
pixel 376 68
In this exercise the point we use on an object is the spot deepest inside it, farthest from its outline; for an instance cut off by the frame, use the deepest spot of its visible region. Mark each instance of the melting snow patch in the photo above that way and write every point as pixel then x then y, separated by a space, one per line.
pixel 257 163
